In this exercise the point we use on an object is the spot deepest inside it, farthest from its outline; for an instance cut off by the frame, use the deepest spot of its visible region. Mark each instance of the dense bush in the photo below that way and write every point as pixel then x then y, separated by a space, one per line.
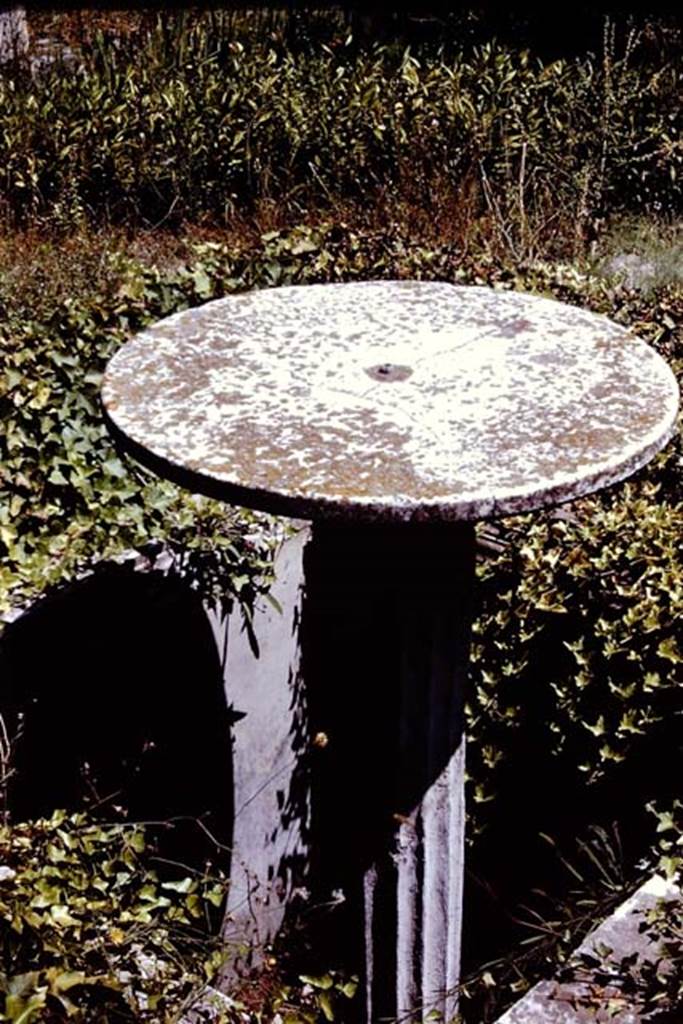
pixel 89 931
pixel 96 928
pixel 184 119
pixel 580 631
pixel 67 498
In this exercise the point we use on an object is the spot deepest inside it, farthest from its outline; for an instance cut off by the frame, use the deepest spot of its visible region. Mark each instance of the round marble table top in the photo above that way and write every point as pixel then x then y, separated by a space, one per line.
pixel 390 400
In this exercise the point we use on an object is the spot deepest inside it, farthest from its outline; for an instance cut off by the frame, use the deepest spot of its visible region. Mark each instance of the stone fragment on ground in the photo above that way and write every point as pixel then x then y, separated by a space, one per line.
pixel 588 1001
pixel 632 270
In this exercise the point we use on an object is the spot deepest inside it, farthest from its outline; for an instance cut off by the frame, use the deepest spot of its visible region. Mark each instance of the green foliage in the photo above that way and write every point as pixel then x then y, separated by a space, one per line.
pixel 578 635
pixel 188 118
pixel 582 614
pixel 89 931
pixel 576 627
pixel 68 497
pixel 326 994
pixel 268 997
pixel 653 986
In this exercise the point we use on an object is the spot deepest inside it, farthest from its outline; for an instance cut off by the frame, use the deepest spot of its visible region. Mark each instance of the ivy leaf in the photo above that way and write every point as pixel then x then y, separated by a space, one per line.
pixel 320 981
pixel 668 649
pixel 326 1005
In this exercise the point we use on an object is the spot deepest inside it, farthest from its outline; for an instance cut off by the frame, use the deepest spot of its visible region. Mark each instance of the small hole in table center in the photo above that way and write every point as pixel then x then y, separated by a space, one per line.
pixel 389 373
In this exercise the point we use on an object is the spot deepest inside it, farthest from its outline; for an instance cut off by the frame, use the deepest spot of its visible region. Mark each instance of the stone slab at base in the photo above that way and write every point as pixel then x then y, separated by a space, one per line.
pixel 554 1002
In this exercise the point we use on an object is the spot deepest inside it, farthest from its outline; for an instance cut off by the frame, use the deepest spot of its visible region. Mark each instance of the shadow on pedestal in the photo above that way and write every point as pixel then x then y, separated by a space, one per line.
pixel 384 648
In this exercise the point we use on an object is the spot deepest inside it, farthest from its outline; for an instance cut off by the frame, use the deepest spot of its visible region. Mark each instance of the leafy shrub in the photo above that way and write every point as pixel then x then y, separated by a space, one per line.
pixel 68 498
pixel 92 931
pixel 88 930
pixel 578 641
pixel 186 118
pixel 581 615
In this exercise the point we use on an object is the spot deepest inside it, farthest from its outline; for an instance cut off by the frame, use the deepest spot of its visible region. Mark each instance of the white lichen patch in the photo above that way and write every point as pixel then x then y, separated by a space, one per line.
pixel 391 400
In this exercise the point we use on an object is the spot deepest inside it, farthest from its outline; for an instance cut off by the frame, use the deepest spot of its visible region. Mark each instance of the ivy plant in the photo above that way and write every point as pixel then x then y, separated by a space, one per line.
pixel 89 931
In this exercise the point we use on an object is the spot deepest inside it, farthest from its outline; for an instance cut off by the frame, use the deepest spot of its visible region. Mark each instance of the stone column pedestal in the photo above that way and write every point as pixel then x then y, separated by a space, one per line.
pixel 385 632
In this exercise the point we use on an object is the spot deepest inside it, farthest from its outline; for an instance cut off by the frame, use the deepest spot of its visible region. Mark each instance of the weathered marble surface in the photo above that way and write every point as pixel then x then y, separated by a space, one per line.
pixel 391 400
pixel 590 1000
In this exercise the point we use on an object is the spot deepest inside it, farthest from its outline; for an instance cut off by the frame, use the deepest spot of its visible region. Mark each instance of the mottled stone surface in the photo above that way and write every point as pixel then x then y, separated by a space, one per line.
pixel 390 400
pixel 590 1000
pixel 632 270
